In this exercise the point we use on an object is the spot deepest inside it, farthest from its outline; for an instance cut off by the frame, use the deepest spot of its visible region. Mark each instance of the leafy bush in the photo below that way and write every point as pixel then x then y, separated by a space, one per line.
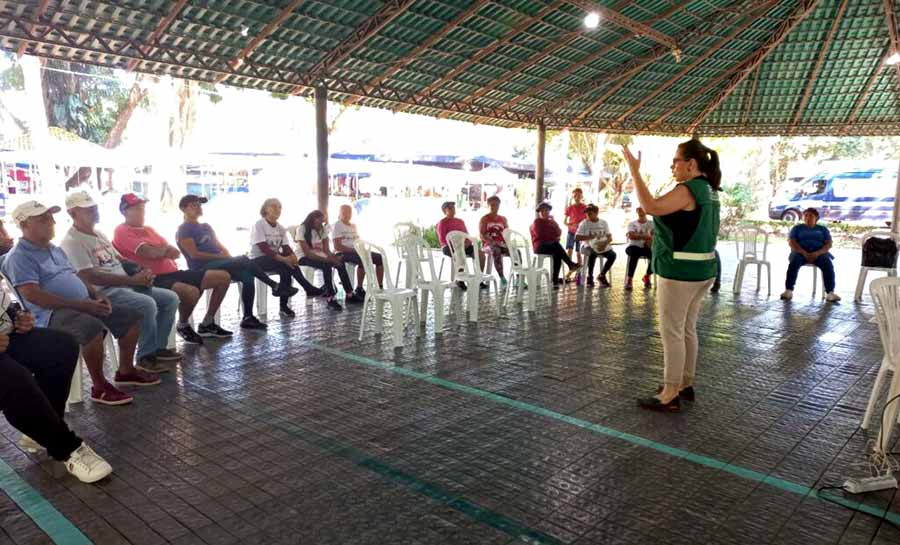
pixel 431 237
pixel 737 203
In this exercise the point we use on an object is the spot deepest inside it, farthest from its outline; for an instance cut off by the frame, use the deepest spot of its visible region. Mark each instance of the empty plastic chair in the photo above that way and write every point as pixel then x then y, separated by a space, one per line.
pixel 886 296
pixel 401 230
pixel 526 270
pixel 399 298
pixel 747 243
pixel 864 269
pixel 426 279
pixel 467 271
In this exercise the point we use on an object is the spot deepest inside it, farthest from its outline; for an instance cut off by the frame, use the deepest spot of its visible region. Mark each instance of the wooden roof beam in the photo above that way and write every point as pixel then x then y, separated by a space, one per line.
pixel 867 89
pixel 160 29
pixel 419 49
pixel 360 35
pixel 748 102
pixel 814 75
pixel 613 16
pixel 683 72
pixel 572 68
pixel 267 30
pixel 482 53
pixel 622 74
pixel 39 12
pixel 759 55
pixel 890 14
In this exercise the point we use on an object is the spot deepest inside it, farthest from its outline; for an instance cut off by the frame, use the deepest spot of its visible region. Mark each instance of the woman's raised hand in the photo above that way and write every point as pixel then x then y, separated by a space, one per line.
pixel 633 162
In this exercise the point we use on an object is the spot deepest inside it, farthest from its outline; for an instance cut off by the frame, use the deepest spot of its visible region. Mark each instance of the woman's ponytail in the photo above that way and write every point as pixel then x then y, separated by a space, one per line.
pixel 707 161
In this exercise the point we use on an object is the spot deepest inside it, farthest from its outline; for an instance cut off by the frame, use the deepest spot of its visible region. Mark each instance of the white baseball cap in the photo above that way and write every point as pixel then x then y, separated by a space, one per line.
pixel 30 209
pixel 79 199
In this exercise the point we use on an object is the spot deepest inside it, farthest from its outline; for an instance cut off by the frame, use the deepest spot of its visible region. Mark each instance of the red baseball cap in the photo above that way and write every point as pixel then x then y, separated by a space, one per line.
pixel 128 200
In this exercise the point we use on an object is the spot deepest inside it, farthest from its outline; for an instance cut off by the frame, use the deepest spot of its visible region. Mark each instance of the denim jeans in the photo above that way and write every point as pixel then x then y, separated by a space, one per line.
pixel 157 307
pixel 823 262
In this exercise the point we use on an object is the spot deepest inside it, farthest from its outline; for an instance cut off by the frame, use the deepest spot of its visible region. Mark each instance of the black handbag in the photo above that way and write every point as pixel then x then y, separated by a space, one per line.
pixel 879 252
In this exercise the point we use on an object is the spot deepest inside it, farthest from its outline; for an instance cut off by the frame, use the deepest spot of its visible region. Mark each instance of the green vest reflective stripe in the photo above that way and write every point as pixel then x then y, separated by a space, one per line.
pixel 696 261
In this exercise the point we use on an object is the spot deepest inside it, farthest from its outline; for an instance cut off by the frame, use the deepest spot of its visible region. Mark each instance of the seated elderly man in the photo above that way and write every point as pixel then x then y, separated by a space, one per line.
pixel 810 244
pixel 51 289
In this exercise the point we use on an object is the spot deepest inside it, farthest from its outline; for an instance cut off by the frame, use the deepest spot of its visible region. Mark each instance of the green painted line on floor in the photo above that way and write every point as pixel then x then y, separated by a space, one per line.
pixel 57 527
pixel 699 459
pixel 505 524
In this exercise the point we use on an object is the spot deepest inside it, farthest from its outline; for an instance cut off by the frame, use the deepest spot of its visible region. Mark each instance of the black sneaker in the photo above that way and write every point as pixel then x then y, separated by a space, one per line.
pixel 590 282
pixel 715 287
pixel 603 281
pixel 654 404
pixel 251 322
pixel 152 364
pixel 213 330
pixel 687 394
pixel 284 291
pixel 360 292
pixel 461 285
pixel 315 292
pixel 287 312
pixel 188 335
pixel 354 299
pixel 483 285
pixel 334 305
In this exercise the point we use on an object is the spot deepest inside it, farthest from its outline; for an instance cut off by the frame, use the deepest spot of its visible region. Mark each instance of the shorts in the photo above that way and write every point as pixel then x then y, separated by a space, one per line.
pixel 191 278
pixel 353 257
pixel 86 328
pixel 470 251
pixel 570 240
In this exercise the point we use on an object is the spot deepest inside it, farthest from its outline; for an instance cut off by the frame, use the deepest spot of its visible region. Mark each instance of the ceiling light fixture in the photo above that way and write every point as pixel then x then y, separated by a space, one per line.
pixel 893 59
pixel 592 20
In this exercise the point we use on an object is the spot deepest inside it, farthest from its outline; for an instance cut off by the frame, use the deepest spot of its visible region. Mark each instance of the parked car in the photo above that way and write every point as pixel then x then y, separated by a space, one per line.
pixel 864 196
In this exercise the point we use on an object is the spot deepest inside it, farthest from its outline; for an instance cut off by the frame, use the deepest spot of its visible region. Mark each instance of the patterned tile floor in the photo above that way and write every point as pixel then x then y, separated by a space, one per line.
pixel 520 429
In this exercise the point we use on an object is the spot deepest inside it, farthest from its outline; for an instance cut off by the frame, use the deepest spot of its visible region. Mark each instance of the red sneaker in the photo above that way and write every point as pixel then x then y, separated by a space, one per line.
pixel 109 395
pixel 646 280
pixel 138 377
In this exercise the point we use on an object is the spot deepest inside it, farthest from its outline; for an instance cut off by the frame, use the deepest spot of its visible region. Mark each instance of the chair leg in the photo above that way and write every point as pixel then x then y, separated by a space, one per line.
pixel 472 299
pixel 423 312
pixel 876 388
pixel 438 306
pixel 738 278
pixel 415 317
pixel 534 283
pixel 379 316
pixel 397 308
pixel 815 280
pixel 758 276
pixel 769 277
pixel 262 299
pixel 76 394
pixel 362 323
pixel 860 283
pixel 397 276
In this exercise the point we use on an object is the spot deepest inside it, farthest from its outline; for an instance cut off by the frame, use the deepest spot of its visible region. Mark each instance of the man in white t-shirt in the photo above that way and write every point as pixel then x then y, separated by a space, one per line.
pixel 596 239
pixel 345 235
pixel 640 236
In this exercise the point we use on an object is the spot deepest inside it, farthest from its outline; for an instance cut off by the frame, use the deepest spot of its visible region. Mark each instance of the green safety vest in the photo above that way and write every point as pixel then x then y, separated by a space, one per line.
pixel 697 260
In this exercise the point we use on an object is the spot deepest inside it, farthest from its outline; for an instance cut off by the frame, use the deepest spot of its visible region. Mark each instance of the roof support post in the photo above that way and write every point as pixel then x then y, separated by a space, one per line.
pixel 895 220
pixel 539 167
pixel 322 146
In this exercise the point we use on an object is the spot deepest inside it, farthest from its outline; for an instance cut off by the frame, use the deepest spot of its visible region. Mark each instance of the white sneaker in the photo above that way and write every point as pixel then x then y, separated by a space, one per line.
pixel 87 466
pixel 787 295
pixel 832 297
pixel 30 446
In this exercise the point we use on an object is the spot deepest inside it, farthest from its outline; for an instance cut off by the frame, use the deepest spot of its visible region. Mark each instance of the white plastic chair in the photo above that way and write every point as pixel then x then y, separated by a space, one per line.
pixel 399 298
pixel 418 253
pixel 747 246
pixel 815 271
pixel 886 296
pixel 467 270
pixel 525 268
pixel 864 271
pixel 401 230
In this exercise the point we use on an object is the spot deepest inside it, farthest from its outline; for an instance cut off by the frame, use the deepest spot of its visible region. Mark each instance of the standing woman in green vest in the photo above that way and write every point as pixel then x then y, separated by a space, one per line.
pixel 686 223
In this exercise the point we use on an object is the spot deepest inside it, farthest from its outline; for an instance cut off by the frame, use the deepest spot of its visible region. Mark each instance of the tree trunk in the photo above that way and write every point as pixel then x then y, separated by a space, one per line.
pixel 135 96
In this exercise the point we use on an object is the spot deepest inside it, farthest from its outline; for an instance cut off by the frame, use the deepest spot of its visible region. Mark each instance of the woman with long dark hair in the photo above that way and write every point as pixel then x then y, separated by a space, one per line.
pixel 686 226
pixel 315 252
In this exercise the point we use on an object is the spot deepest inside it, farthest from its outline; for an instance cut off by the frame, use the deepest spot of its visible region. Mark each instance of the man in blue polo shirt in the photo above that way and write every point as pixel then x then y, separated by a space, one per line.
pixel 51 290
pixel 810 245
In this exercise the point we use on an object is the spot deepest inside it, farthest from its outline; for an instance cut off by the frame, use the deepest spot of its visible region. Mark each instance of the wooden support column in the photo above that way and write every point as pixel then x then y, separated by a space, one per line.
pixel 539 168
pixel 895 221
pixel 322 146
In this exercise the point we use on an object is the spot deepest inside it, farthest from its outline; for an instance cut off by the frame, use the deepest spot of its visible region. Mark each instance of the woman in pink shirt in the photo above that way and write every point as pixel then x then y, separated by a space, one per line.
pixel 452 223
pixel 491 229
pixel 575 214
pixel 545 233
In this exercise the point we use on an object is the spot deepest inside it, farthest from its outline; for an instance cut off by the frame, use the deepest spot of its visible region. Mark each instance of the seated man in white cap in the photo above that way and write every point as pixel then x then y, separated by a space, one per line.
pixel 99 264
pixel 51 290
pixel 144 246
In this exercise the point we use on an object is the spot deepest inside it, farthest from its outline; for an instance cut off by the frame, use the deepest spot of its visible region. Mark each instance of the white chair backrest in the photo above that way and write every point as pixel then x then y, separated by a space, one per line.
pixel 747 242
pixel 519 249
pixel 401 230
pixel 886 296
pixel 417 252
pixel 365 250
pixel 457 242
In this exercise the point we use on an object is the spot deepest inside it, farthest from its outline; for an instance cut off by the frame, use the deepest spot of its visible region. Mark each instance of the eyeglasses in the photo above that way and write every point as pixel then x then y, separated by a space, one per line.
pixel 677 160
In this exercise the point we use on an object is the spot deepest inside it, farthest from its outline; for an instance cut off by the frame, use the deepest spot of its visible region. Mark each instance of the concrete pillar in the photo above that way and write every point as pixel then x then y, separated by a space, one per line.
pixel 539 168
pixel 895 221
pixel 322 147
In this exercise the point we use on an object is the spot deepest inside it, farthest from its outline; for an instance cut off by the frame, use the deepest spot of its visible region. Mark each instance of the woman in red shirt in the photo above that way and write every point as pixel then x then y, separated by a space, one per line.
pixel 545 233
pixel 575 214
pixel 491 229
